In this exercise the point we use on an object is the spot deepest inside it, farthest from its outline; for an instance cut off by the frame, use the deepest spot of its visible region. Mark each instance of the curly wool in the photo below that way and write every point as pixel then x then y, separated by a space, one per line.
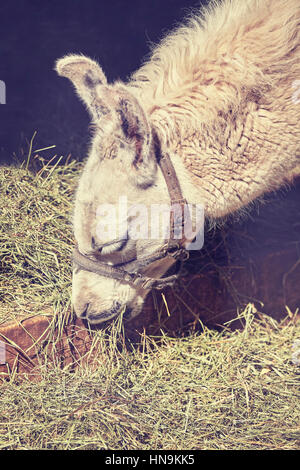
pixel 218 91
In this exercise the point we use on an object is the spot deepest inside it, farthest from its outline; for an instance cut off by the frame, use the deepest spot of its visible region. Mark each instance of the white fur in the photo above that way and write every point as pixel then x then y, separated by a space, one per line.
pixel 219 94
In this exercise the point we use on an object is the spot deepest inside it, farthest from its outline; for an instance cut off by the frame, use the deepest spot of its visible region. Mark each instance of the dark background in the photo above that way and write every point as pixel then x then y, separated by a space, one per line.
pixel 34 33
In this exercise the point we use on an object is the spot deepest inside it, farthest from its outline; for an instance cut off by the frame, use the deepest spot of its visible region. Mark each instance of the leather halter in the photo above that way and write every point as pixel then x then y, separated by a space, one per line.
pixel 173 248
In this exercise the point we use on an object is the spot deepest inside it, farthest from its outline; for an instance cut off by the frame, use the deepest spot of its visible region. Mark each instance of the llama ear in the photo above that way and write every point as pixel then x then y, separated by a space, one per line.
pixel 135 127
pixel 89 81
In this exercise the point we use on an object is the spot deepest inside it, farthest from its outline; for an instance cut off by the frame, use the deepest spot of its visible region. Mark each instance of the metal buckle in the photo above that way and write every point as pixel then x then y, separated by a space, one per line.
pixel 180 255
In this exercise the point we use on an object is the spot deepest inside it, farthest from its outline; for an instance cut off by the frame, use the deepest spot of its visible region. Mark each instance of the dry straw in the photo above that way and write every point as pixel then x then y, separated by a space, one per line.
pixel 209 390
pixel 35 239
pixel 214 390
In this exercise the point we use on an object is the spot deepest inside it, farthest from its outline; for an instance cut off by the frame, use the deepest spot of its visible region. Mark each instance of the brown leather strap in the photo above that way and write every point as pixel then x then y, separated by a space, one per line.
pixel 178 202
pixel 171 179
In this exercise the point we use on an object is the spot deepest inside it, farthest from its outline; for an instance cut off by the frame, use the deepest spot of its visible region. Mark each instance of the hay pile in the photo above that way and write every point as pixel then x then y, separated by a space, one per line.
pixel 35 239
pixel 209 390
pixel 214 390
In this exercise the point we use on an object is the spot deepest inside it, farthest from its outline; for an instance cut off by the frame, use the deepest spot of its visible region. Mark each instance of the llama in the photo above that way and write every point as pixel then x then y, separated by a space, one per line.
pixel 220 97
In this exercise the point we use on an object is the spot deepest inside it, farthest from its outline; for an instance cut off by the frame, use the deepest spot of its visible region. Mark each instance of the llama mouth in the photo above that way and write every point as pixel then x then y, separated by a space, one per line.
pixel 101 317
pixel 105 315
pixel 127 314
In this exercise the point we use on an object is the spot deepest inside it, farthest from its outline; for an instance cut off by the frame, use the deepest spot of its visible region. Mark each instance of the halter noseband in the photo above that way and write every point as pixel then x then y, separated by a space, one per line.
pixel 173 248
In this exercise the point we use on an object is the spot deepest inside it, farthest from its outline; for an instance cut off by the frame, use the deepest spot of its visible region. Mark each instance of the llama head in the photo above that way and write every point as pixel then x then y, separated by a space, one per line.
pixel 121 167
